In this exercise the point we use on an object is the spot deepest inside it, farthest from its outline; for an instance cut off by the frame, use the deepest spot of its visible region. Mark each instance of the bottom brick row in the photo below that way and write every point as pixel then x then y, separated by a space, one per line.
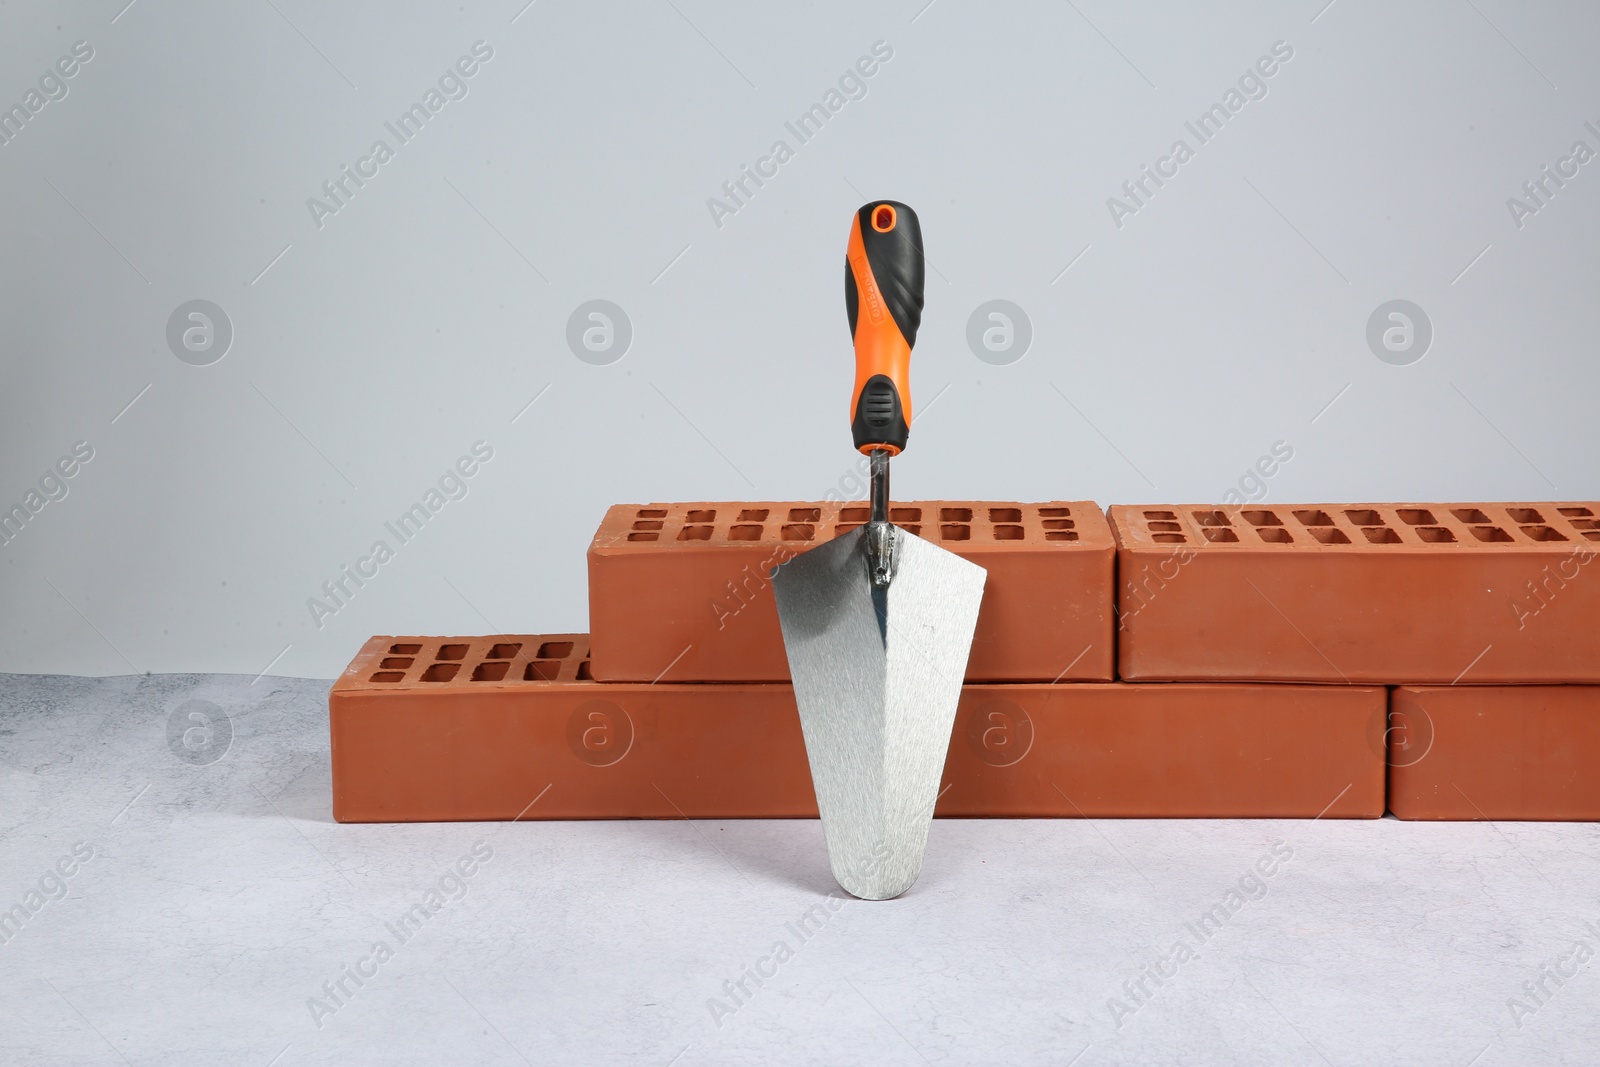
pixel 513 727
pixel 506 727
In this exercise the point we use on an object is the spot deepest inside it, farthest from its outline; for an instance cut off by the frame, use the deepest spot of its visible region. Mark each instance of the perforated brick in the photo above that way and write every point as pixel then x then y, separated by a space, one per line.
pixel 514 744
pixel 681 592
pixel 1382 593
pixel 1495 752
pixel 465 734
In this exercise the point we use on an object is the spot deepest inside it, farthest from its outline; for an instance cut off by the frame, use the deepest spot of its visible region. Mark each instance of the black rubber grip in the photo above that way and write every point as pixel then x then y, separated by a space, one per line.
pixel 897 264
pixel 880 417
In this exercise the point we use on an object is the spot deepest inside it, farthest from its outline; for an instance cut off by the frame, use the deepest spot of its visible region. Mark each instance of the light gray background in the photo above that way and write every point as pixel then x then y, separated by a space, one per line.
pixel 1228 314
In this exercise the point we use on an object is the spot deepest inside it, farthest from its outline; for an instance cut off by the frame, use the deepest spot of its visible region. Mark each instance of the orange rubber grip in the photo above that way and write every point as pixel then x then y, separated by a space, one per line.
pixel 884 276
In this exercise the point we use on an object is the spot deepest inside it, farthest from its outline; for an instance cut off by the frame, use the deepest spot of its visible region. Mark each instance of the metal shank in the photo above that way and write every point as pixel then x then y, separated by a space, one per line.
pixel 880 535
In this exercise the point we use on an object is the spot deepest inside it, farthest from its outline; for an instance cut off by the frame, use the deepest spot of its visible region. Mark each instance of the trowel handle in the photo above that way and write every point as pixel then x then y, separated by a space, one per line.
pixel 883 276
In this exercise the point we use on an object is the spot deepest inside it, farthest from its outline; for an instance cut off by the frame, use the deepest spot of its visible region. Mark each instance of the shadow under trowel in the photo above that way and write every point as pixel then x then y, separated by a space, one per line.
pixel 785 852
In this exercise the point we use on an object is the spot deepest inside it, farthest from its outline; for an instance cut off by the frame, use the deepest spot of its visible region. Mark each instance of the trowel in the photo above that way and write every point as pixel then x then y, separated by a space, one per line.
pixel 878 623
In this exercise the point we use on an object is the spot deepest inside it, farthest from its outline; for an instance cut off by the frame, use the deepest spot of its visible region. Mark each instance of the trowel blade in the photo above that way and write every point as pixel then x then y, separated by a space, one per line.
pixel 877 675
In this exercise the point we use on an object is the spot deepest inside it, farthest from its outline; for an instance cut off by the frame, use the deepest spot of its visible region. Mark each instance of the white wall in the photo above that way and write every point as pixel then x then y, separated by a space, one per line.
pixel 1222 317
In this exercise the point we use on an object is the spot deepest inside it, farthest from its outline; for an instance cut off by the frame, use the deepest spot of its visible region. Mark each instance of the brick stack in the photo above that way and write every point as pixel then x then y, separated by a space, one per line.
pixel 1482 619
pixel 1154 661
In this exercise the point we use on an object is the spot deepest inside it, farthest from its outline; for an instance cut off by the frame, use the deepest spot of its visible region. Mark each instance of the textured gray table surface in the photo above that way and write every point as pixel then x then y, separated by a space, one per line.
pixel 221 909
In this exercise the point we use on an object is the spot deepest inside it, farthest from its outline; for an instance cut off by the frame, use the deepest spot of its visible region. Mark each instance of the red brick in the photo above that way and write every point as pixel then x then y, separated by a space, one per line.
pixel 1379 593
pixel 1168 751
pixel 1495 752
pixel 409 749
pixel 680 592
pixel 415 750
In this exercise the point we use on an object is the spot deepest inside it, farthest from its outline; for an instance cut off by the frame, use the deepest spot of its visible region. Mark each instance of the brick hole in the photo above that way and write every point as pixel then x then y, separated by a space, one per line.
pixel 1273 535
pixel 1364 517
pixel 388 676
pixel 555 650
pixel 1585 524
pixel 647 524
pixel 650 513
pixel 701 516
pixel 396 663
pixel 542 670
pixel 1262 518
pixel 845 527
pixel 1543 533
pixel 1005 514
pixel 854 514
pixel 452 652
pixel 405 650
pixel 1469 515
pixel 955 514
pixel 1169 526
pixel 440 672
pixel 753 515
pixel 913 528
pixel 1593 535
pixel 1381 535
pixel 1170 539
pixel 1576 513
pixel 584 673
pixel 493 671
pixel 1219 533
pixel 1008 533
pixel 905 514
pixel 505 650
pixel 1211 518
pixel 1416 516
pixel 1329 535
pixel 1436 535
pixel 638 535
pixel 695 533
pixel 1055 513
pixel 744 533
pixel 804 514
pixel 1490 533
pixel 955 532
pixel 1314 518
pixel 1060 535
pixel 799 531
pixel 1159 515
pixel 1526 516
pixel 1068 524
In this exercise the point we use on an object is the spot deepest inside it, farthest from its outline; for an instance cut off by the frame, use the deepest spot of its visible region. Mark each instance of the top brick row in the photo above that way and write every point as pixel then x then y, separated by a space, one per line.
pixel 1356 593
